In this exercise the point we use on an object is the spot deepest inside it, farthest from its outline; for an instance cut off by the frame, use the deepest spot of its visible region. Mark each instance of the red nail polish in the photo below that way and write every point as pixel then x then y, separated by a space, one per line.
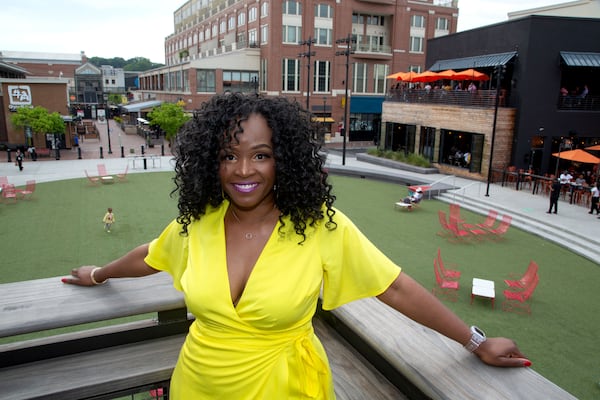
pixel 527 363
pixel 64 280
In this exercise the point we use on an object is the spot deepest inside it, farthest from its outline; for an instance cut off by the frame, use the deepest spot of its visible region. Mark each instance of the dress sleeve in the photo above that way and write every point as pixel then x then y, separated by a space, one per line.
pixel 169 252
pixel 353 267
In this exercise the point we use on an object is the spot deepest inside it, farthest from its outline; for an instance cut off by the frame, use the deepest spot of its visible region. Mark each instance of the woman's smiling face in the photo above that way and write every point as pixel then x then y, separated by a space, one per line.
pixel 247 166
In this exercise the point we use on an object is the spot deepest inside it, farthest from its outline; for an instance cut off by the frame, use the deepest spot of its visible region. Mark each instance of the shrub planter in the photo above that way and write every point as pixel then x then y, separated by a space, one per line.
pixel 395 164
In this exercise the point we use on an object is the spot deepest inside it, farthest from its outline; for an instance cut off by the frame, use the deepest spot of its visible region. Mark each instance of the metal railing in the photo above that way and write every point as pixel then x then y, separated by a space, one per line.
pixel 480 98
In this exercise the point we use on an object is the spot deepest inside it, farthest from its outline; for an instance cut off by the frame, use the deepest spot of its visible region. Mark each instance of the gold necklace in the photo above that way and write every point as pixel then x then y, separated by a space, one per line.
pixel 249 235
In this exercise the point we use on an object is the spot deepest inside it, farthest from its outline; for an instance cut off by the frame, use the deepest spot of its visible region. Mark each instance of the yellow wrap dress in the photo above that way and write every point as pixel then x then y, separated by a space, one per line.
pixel 265 346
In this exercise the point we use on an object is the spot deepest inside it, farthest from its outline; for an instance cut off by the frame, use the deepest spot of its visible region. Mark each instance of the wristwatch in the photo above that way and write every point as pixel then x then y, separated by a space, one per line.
pixel 477 337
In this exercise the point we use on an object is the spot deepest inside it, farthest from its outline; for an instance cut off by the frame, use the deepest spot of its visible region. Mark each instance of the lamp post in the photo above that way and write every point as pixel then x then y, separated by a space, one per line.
pixel 106 112
pixel 348 40
pixel 499 71
pixel 307 54
pixel 563 144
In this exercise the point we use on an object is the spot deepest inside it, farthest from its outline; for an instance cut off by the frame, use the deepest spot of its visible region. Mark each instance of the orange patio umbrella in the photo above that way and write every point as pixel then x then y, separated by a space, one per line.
pixel 578 155
pixel 596 147
pixel 395 75
pixel 471 74
pixel 406 76
pixel 427 76
pixel 447 74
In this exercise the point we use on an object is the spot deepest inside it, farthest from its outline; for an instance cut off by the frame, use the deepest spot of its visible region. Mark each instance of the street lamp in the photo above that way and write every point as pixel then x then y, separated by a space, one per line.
pixel 563 144
pixel 106 112
pixel 307 54
pixel 348 40
pixel 499 71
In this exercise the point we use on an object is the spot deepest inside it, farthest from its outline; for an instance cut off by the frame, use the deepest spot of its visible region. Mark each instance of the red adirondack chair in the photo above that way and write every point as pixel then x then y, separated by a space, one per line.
pixel 520 301
pixel 27 193
pixel 522 281
pixel 450 274
pixel 445 288
pixel 502 228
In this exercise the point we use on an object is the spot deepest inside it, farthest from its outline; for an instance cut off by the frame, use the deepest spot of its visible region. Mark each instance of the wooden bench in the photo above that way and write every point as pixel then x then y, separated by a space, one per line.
pixel 43 152
pixel 375 353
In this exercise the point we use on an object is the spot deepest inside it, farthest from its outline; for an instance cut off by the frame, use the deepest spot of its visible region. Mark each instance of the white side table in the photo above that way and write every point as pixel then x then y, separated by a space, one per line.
pixel 483 288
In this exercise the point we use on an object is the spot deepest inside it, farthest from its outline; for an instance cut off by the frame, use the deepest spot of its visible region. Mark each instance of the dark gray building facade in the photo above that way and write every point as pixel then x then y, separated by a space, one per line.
pixel 552 82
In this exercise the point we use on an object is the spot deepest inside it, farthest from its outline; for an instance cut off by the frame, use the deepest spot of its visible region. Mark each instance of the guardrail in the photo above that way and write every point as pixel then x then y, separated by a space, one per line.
pixel 117 360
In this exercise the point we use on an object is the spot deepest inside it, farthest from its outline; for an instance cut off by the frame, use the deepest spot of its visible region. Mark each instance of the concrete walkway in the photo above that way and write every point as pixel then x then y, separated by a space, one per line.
pixel 572 227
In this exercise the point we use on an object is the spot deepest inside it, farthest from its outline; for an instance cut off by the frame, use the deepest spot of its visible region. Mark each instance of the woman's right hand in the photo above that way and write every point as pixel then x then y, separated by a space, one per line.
pixel 81 276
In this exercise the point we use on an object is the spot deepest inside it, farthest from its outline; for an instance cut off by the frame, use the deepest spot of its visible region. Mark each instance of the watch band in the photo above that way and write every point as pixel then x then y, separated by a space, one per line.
pixel 477 337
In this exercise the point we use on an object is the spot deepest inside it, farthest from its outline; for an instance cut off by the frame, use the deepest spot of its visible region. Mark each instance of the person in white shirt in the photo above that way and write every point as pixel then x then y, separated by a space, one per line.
pixel 565 178
pixel 595 197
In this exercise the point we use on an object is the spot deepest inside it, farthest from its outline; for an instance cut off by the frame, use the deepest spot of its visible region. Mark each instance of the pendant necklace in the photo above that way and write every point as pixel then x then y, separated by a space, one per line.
pixel 248 235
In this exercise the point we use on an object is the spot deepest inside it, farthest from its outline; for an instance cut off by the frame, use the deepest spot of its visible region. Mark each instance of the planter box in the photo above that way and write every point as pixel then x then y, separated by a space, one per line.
pixel 395 164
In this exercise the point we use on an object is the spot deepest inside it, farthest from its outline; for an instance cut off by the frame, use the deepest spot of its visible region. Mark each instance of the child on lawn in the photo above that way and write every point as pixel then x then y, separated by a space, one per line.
pixel 108 220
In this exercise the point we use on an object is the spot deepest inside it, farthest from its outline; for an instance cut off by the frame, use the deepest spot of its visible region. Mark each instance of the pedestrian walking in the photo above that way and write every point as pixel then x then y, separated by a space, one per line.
pixel 19 160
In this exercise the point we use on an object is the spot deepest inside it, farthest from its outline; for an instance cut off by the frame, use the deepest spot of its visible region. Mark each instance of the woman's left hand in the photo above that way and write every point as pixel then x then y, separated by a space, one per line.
pixel 501 352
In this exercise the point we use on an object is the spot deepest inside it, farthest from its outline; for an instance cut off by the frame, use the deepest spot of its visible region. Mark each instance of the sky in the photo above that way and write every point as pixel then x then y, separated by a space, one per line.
pixel 137 28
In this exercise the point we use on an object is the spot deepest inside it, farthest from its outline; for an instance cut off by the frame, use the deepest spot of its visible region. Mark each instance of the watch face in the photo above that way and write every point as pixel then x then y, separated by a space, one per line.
pixel 479 331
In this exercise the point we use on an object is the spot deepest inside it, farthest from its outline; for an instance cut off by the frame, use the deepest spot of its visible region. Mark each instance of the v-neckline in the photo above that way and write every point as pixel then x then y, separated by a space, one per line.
pixel 260 256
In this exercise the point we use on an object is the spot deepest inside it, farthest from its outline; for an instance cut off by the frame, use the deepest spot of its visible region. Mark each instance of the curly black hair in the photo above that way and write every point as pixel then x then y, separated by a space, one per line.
pixel 301 180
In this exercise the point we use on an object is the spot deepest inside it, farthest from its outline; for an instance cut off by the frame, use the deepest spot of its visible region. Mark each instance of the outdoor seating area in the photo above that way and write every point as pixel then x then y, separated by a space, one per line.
pixel 104 177
pixel 9 193
pixel 517 296
pixel 456 229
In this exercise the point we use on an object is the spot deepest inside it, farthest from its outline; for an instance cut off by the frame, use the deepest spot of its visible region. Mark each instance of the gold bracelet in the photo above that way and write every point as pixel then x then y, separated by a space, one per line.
pixel 92 277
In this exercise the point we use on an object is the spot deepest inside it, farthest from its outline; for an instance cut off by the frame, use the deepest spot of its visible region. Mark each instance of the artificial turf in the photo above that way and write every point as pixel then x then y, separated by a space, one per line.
pixel 61 227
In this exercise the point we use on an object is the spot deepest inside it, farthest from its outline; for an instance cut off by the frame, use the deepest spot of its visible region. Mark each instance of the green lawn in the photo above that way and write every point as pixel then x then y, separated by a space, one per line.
pixel 61 227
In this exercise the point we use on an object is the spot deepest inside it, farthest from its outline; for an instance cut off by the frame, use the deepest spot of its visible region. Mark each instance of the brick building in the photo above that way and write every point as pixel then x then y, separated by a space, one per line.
pixel 250 45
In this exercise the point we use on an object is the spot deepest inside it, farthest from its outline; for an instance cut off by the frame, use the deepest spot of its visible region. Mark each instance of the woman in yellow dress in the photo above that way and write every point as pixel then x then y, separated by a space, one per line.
pixel 256 242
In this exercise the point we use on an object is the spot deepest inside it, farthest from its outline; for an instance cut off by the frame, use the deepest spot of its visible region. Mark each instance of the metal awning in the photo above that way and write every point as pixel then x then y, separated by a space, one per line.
pixel 136 107
pixel 488 60
pixel 580 59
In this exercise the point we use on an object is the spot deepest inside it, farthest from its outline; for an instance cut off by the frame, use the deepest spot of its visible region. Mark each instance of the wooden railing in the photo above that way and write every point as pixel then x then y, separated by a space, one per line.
pixel 115 360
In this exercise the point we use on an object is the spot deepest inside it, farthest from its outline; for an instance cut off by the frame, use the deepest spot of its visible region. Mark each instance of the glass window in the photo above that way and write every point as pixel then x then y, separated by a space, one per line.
pixel 323 11
pixel 264 34
pixel 240 81
pixel 441 24
pixel 322 76
pixel 231 23
pixel 323 36
pixel 360 77
pixel 417 21
pixel 358 19
pixel 264 10
pixel 222 27
pixel 290 75
pixel 252 14
pixel 292 8
pixel 205 80
pixel 416 44
pixel 241 18
pixel 291 34
pixel 379 73
pixel 252 38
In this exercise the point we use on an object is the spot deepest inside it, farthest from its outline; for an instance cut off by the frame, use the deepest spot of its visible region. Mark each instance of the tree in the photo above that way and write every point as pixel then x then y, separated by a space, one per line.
pixel 38 120
pixel 169 117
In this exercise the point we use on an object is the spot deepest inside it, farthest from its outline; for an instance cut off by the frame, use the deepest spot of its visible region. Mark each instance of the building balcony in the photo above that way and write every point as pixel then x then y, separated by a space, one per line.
pixel 462 98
